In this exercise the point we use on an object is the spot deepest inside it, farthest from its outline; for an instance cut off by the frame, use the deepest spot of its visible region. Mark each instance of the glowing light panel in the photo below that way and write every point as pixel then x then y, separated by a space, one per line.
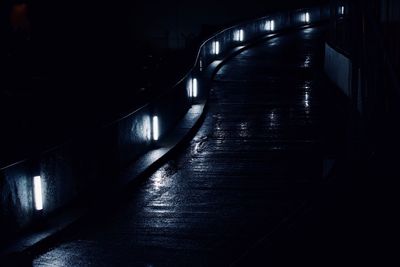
pixel 215 48
pixel 341 10
pixel 239 35
pixel 306 17
pixel 270 25
pixel 37 192
pixel 194 87
pixel 156 132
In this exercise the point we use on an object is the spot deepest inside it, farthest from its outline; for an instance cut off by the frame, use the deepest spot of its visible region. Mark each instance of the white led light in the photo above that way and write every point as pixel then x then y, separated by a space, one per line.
pixel 306 17
pixel 270 25
pixel 156 132
pixel 341 10
pixel 215 48
pixel 37 191
pixel 194 87
pixel 239 36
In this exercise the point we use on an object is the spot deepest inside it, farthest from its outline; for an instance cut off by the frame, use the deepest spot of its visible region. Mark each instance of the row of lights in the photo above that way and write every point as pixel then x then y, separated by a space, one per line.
pixel 238 36
pixel 192 92
pixel 153 133
pixel 37 180
pixel 306 17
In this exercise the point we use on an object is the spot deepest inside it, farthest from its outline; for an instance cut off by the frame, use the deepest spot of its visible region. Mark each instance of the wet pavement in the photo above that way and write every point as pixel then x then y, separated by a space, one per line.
pixel 252 166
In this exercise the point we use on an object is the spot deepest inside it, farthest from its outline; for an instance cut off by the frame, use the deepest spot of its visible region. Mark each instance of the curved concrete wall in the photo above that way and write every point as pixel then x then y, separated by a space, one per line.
pixel 85 168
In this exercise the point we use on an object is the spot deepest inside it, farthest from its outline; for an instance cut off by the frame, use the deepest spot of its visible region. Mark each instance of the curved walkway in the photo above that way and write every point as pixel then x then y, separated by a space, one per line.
pixel 251 167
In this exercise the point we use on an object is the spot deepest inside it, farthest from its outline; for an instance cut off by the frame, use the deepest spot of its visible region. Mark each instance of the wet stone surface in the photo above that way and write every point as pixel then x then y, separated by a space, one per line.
pixel 252 164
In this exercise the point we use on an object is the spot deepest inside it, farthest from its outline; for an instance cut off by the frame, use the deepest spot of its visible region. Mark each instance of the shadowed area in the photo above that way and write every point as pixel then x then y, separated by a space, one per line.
pixel 253 165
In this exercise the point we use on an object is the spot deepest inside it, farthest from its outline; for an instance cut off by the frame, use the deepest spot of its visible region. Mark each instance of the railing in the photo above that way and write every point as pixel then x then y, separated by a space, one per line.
pixel 378 84
pixel 375 88
pixel 339 36
pixel 36 187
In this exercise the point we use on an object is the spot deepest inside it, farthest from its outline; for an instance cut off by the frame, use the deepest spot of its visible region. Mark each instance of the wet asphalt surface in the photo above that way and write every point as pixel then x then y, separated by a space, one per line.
pixel 252 165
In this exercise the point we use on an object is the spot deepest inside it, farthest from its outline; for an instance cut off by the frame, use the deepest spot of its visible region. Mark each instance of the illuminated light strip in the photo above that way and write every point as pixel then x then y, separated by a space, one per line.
pixel 37 191
pixel 307 17
pixel 239 35
pixel 156 132
pixel 270 25
pixel 215 48
pixel 194 87
pixel 341 10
